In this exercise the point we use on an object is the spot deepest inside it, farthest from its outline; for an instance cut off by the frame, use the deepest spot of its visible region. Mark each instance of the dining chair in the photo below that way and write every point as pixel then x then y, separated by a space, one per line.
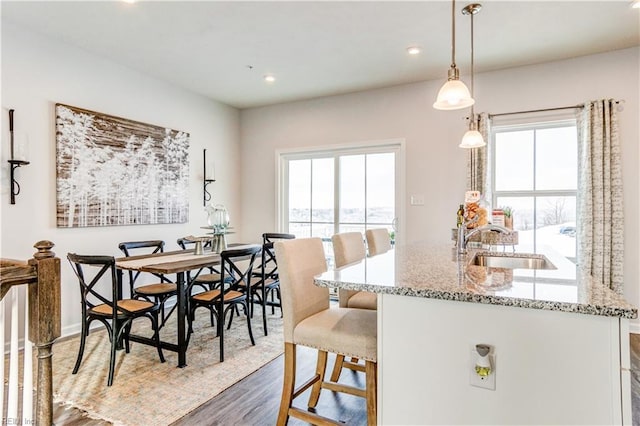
pixel 207 281
pixel 348 247
pixel 309 321
pixel 265 282
pixel 160 291
pixel 103 305
pixel 235 274
pixel 378 241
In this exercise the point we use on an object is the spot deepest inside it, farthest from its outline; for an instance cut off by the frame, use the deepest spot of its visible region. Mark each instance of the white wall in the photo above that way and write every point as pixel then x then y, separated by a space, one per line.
pixel 38 72
pixel 435 166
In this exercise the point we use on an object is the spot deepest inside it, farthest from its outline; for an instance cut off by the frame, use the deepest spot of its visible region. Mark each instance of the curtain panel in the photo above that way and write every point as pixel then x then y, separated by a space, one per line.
pixel 600 200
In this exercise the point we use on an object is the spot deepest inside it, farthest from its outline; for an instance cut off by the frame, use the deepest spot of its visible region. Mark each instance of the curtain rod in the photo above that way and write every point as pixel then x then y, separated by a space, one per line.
pixel 544 110
pixel 536 110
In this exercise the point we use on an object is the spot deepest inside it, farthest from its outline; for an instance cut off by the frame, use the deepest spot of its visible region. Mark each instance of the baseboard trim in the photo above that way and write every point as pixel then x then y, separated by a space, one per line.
pixel 634 327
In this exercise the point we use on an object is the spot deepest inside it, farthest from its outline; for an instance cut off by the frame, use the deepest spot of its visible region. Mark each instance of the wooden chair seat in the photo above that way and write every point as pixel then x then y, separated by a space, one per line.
pixel 131 305
pixel 207 278
pixel 157 289
pixel 210 295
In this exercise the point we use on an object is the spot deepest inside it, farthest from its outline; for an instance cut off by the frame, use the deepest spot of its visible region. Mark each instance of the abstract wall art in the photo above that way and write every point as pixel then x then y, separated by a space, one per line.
pixel 114 171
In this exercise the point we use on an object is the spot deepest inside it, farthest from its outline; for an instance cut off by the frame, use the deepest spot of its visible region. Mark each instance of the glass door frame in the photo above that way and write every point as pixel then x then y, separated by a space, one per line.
pixel 283 157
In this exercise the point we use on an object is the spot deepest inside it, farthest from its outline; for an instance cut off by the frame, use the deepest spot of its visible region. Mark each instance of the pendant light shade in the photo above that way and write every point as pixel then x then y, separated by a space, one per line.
pixel 472 139
pixel 454 94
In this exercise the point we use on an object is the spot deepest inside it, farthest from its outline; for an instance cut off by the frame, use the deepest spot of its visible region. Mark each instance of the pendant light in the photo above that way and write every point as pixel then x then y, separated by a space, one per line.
pixel 472 138
pixel 454 93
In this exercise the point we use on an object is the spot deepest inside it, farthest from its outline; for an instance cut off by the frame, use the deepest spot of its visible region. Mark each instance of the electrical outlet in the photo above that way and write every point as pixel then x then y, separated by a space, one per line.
pixel 487 382
pixel 417 200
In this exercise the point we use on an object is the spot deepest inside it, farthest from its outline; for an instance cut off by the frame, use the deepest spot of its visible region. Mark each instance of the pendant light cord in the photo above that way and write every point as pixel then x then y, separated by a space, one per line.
pixel 472 69
pixel 453 33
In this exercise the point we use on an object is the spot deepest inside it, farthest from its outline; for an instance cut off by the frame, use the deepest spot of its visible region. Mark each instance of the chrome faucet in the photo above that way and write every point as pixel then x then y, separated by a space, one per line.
pixel 463 237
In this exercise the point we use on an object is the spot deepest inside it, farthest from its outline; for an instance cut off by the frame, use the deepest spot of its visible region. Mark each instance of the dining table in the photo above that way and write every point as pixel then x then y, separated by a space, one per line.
pixel 180 263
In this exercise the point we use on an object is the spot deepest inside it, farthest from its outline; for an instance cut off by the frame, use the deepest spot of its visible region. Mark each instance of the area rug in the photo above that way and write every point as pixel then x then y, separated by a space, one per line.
pixel 147 392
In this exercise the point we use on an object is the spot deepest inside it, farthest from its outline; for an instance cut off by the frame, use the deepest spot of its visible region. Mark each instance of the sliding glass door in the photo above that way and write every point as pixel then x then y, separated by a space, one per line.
pixel 326 192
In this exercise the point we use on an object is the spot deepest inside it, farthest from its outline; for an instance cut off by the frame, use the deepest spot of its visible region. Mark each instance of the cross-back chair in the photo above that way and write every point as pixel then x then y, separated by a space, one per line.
pixel 265 285
pixel 236 266
pixel 207 281
pixel 158 292
pixel 105 306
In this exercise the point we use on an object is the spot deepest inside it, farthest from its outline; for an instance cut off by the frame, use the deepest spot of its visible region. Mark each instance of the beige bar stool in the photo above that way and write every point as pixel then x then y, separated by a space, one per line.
pixel 348 247
pixel 378 241
pixel 309 321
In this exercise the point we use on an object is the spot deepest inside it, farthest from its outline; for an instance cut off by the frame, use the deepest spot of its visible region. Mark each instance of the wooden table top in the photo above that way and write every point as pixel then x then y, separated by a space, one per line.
pixel 171 262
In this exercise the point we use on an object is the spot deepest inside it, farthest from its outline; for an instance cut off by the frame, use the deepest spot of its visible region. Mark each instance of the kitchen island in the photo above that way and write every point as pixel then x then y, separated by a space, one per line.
pixel 559 342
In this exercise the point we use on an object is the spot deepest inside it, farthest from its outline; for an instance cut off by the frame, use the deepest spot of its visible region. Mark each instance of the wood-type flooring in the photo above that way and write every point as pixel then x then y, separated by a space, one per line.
pixel 255 400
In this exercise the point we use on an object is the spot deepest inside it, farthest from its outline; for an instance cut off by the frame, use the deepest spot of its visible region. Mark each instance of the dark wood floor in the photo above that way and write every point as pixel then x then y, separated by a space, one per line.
pixel 255 399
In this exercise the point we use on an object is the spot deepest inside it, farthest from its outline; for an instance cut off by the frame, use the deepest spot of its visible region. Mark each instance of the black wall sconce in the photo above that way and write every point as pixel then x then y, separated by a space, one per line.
pixel 14 164
pixel 207 178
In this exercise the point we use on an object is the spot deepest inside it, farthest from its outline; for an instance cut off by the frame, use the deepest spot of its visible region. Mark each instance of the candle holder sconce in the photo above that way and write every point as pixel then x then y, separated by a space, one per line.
pixel 13 163
pixel 206 196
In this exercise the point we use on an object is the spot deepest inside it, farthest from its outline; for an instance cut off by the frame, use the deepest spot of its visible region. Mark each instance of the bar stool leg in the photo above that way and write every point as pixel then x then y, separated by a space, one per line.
pixel 289 383
pixel 321 366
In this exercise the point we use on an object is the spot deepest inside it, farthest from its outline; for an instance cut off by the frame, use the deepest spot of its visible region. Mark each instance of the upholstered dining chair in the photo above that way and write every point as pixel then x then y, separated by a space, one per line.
pixel 378 241
pixel 309 321
pixel 348 247
pixel 160 291
pixel 235 274
pixel 265 284
pixel 104 306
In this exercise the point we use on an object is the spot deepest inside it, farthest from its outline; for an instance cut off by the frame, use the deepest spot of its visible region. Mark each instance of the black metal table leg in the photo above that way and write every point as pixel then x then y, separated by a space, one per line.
pixel 182 313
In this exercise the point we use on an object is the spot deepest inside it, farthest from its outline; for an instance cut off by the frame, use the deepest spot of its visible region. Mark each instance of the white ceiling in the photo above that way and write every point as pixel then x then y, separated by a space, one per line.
pixel 323 48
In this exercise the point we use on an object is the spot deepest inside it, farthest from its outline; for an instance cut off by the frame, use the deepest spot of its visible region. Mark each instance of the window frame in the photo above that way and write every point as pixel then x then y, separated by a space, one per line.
pixel 562 120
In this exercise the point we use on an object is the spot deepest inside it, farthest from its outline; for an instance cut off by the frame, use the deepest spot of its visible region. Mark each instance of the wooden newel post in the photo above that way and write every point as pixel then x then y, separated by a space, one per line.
pixel 44 324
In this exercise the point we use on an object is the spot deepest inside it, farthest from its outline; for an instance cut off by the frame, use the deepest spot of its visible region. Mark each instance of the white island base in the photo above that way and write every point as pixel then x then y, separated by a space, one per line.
pixel 551 367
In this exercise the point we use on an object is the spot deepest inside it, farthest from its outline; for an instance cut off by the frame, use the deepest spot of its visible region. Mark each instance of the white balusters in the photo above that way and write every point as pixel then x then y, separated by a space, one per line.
pixel 27 380
pixel 13 400
pixel 12 403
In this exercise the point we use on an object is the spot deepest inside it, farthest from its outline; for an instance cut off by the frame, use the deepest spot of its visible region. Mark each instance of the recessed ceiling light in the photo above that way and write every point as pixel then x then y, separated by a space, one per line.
pixel 413 50
pixel 269 78
pixel 129 1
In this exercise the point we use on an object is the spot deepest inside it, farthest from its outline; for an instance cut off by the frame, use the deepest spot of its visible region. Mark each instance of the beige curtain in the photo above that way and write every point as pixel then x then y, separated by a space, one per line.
pixel 600 208
pixel 478 164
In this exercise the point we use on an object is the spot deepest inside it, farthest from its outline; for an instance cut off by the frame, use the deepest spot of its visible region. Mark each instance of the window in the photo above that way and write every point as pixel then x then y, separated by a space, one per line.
pixel 327 192
pixel 535 172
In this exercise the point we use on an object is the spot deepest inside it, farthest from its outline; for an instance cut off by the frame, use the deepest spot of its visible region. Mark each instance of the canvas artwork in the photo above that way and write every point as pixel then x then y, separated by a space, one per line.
pixel 114 171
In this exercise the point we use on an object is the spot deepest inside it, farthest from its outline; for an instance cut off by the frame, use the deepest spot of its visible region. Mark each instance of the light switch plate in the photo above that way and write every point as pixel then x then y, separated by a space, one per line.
pixel 488 382
pixel 417 200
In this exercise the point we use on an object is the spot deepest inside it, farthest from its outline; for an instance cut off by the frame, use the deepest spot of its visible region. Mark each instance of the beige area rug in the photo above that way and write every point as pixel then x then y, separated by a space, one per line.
pixel 147 392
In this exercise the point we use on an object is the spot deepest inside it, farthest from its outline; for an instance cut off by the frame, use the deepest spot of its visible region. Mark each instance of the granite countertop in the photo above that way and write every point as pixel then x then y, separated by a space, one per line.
pixel 436 272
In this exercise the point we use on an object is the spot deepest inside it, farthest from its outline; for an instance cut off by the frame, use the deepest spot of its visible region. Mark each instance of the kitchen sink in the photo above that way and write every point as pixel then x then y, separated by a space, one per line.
pixel 516 261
